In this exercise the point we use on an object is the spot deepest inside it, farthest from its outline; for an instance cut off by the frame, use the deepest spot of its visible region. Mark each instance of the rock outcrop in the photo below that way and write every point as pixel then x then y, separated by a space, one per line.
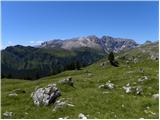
pixel 45 96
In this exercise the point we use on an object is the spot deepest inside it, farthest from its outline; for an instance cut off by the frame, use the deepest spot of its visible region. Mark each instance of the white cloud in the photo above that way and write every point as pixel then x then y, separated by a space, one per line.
pixel 9 43
pixel 35 42
pixel 39 42
pixel 32 42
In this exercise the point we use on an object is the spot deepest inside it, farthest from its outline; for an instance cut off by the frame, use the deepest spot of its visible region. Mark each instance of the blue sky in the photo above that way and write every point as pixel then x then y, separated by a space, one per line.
pixel 30 23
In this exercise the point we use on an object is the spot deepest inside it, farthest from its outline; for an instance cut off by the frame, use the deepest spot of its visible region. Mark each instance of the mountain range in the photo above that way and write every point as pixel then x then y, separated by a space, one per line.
pixel 105 43
pixel 54 56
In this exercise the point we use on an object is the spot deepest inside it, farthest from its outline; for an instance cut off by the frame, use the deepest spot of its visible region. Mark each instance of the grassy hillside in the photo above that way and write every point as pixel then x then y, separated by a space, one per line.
pixel 87 97
pixel 31 63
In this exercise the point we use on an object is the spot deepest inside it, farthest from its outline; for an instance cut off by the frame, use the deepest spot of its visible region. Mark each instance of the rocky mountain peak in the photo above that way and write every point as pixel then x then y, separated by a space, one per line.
pixel 105 43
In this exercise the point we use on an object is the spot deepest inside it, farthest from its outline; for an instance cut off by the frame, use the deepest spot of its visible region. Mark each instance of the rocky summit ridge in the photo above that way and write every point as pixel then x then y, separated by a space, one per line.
pixel 105 43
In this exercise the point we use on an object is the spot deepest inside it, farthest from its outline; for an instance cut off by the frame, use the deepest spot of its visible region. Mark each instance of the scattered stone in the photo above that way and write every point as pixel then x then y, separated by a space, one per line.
pixel 13 94
pixel 67 81
pixel 135 60
pixel 147 107
pixel 26 113
pixel 143 78
pixel 60 118
pixel 18 91
pixel 127 62
pixel 122 106
pixel 64 117
pixel 62 103
pixel 82 116
pixel 7 114
pixel 71 105
pixel 89 74
pixel 45 96
pixel 127 88
pixel 149 112
pixel 106 92
pixel 108 85
pixel 136 89
pixel 155 96
pixel 102 64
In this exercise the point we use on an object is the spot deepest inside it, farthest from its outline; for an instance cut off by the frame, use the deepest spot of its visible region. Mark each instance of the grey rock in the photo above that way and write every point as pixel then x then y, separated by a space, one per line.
pixel 67 81
pixel 127 62
pixel 107 85
pixel 156 96
pixel 89 74
pixel 135 60
pixel 64 117
pixel 135 89
pixel 61 103
pixel 8 114
pixel 143 78
pixel 18 91
pixel 82 116
pixel 103 64
pixel 138 90
pixel 127 88
pixel 45 96
pixel 13 94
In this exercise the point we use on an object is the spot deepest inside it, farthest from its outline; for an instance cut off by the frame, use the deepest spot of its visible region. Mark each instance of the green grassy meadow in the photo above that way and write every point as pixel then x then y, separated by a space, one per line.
pixel 86 96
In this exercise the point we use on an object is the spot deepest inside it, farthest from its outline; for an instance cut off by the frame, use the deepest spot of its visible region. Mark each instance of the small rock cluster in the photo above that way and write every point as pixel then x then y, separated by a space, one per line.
pixel 62 103
pixel 127 88
pixel 108 85
pixel 143 78
pixel 67 81
pixel 45 96
pixel 16 92
pixel 82 116
pixel 7 114
pixel 135 89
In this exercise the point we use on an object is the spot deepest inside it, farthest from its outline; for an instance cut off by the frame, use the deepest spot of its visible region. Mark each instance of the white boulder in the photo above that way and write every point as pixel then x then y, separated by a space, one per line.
pixel 45 96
